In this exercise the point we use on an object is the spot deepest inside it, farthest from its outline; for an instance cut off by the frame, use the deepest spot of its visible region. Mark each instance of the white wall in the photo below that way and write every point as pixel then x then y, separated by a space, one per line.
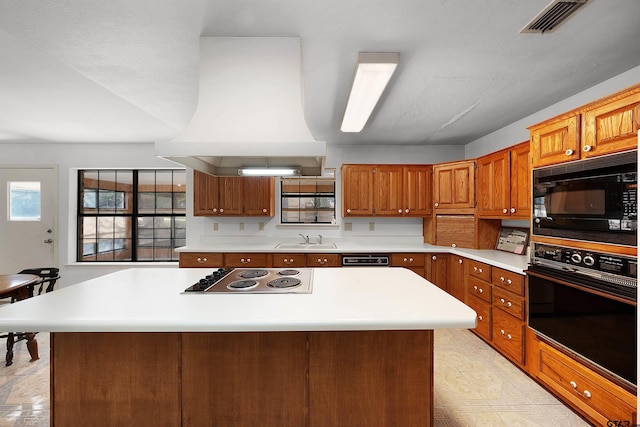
pixel 517 132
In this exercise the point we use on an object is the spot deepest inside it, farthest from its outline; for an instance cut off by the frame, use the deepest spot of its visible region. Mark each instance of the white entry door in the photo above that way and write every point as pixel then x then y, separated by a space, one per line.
pixel 28 218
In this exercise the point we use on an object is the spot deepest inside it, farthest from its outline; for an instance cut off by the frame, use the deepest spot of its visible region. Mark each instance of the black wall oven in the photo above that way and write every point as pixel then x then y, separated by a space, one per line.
pixel 586 303
pixel 591 200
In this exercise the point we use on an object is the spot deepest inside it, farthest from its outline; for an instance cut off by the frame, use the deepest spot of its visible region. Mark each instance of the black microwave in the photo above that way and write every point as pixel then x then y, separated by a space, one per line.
pixel 592 200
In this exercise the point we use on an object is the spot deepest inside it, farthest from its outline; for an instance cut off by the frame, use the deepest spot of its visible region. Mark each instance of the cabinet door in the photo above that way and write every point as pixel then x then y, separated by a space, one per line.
pixel 205 194
pixel 417 190
pixel 387 195
pixel 457 231
pixel 259 196
pixel 611 127
pixel 521 182
pixel 494 185
pixel 556 142
pixel 454 187
pixel 357 190
pixel 437 269
pixel 230 195
pixel 456 285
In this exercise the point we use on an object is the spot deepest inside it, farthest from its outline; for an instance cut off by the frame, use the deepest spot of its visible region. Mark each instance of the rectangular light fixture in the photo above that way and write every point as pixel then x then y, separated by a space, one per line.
pixel 372 76
pixel 273 171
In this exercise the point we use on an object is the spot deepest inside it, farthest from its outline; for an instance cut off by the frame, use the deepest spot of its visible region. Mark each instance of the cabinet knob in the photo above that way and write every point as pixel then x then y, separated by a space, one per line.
pixel 406 211
pixel 479 270
pixel 505 335
pixel 322 261
pixel 453 245
pixel 480 318
pixel 409 260
pixel 288 261
pixel 475 268
pixel 436 204
pixel 507 304
pixel 215 210
pixel 505 281
pixel 585 393
pixel 221 210
pixel 568 152
pixel 245 261
pixel 434 257
pixel 201 260
pixel 586 148
pixel 348 211
pixel 513 210
pixel 264 210
pixel 460 261
pixel 504 211
pixel 399 211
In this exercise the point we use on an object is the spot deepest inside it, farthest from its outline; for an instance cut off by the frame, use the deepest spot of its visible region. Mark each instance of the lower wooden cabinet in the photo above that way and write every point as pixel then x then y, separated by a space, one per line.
pixel 201 259
pixel 483 319
pixel 437 269
pixel 412 261
pixel 289 260
pixel 597 398
pixel 324 260
pixel 508 335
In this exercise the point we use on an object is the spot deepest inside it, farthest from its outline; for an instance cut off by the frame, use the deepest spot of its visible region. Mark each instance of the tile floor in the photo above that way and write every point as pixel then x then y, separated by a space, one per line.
pixel 474 386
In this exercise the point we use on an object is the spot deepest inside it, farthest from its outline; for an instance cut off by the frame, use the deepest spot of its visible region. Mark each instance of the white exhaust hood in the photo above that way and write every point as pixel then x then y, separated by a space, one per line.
pixel 249 111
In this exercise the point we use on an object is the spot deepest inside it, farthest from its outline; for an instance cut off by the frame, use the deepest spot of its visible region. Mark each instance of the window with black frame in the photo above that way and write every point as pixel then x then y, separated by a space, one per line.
pixel 131 215
pixel 308 200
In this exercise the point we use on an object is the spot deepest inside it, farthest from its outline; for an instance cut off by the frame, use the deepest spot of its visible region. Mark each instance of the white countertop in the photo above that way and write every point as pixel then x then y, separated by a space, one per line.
pixel 150 300
pixel 505 260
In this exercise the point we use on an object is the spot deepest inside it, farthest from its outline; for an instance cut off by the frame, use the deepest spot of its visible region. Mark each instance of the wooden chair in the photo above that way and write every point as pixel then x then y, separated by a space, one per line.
pixel 48 278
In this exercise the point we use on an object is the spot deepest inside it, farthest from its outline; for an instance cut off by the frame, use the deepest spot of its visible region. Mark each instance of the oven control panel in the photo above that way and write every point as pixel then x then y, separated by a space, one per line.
pixel 609 267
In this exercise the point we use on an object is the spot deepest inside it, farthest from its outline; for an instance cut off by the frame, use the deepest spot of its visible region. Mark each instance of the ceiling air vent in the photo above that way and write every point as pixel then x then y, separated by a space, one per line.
pixel 552 16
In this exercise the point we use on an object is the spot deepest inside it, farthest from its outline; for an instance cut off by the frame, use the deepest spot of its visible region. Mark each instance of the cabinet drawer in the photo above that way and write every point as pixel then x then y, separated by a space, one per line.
pixel 200 259
pixel 289 260
pixel 483 319
pixel 407 260
pixel 509 280
pixel 508 335
pixel 480 270
pixel 324 260
pixel 479 289
pixel 247 260
pixel 508 302
pixel 599 398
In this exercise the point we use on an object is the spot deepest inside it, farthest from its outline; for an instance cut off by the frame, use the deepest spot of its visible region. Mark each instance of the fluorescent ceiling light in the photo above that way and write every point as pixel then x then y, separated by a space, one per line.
pixel 372 76
pixel 268 171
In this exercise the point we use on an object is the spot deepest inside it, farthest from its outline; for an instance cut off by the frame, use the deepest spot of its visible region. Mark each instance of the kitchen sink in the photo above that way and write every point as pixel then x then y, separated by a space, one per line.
pixel 302 245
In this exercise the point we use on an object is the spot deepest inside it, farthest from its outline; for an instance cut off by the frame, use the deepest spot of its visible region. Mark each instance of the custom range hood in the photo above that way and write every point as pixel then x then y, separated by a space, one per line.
pixel 249 111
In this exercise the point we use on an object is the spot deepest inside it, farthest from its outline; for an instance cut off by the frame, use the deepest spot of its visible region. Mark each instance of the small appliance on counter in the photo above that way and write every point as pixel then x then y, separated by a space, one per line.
pixel 255 281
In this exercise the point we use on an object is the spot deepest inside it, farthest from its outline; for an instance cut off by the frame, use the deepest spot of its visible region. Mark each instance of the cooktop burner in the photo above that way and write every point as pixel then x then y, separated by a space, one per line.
pixel 254 280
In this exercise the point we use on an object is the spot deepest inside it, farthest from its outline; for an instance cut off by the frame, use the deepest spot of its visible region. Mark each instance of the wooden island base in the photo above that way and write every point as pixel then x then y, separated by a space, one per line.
pixel 315 379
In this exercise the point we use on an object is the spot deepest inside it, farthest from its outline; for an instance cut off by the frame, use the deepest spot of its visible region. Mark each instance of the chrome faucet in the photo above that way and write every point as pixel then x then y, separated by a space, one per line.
pixel 305 238
pixel 319 239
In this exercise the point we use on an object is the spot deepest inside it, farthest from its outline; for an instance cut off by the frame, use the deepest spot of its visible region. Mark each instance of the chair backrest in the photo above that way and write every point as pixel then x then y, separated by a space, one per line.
pixel 48 275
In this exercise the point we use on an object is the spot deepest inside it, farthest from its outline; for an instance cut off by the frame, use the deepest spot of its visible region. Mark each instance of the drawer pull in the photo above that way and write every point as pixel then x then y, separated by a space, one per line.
pixel 245 261
pixel 475 268
pixel 288 261
pixel 568 152
pixel 322 261
pixel 409 260
pixel 503 280
pixel 477 289
pixel 201 260
pixel 585 393
pixel 508 303
pixel 505 335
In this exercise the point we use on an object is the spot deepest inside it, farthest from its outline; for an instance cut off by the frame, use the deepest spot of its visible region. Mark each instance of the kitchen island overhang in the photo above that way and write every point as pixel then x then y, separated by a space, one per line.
pixel 129 345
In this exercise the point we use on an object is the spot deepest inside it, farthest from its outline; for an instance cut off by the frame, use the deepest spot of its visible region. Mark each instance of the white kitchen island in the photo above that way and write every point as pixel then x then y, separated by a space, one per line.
pixel 130 348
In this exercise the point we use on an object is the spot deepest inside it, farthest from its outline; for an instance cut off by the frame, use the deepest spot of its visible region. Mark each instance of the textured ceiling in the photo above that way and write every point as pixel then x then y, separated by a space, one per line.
pixel 102 71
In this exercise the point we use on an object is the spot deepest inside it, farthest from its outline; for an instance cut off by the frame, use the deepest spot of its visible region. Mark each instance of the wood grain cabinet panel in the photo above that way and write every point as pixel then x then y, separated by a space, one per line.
pixel 479 289
pixel 513 282
pixel 508 302
pixel 233 196
pixel 417 190
pixel 458 231
pixel 483 318
pixel 289 260
pixel 324 260
pixel 357 190
pixel 205 194
pixel 480 270
pixel 457 273
pixel 508 335
pixel 412 261
pixel 611 126
pixel 454 187
pixel 591 394
pixel 504 187
pixel 437 269
pixel 555 141
pixel 246 260
pixel 201 259
pixel 388 194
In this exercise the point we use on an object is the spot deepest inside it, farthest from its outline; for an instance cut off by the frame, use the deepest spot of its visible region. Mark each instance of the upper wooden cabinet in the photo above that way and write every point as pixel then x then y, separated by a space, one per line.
pixel 386 190
pixel 608 125
pixel 454 187
pixel 504 183
pixel 611 126
pixel 233 196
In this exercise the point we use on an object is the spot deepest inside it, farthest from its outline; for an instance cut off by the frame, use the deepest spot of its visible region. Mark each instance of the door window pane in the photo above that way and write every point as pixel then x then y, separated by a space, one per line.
pixel 24 201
